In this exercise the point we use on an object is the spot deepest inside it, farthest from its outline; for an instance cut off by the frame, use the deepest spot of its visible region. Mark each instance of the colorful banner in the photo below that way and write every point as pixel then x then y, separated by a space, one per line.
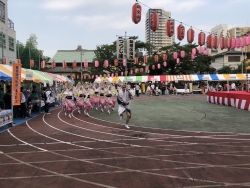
pixel 16 84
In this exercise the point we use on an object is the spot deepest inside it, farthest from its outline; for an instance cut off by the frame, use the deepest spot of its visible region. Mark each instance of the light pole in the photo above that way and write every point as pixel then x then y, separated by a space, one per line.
pixel 2 47
pixel 81 53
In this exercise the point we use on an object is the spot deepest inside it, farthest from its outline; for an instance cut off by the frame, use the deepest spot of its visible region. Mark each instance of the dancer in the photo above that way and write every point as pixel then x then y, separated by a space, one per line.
pixel 124 96
pixel 102 99
pixel 87 104
pixel 110 101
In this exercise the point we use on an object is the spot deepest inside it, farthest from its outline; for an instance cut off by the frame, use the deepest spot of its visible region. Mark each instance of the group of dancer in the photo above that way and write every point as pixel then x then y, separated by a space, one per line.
pixel 97 96
pixel 85 97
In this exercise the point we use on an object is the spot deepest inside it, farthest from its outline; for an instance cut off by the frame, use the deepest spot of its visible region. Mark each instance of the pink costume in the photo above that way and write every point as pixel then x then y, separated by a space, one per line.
pixel 102 100
pixel 68 104
pixel 87 103
pixel 79 102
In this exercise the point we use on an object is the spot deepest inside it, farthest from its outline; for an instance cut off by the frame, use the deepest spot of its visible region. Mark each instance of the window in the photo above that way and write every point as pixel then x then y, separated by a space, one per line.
pixel 233 58
pixel 2 38
pixel 11 44
pixel 2 11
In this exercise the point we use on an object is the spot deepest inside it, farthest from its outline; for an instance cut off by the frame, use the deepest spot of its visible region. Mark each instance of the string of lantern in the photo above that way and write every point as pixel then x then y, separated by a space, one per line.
pixel 212 40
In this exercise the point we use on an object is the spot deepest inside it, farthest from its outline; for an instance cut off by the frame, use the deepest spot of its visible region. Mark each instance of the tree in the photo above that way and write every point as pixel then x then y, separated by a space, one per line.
pixel 30 51
pixel 108 52
pixel 200 64
pixel 228 69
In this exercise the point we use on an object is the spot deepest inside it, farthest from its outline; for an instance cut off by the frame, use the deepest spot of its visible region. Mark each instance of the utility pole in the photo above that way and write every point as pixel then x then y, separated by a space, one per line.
pixel 2 48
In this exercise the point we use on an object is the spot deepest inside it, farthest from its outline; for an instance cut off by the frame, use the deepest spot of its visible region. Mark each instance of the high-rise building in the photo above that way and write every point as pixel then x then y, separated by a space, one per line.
pixel 7 35
pixel 158 38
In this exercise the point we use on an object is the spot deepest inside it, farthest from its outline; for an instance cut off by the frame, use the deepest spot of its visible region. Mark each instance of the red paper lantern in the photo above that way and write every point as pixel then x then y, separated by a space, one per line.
pixel 86 64
pixel 96 63
pixel 170 28
pixel 154 21
pixel 96 76
pixel 115 62
pixel 242 42
pixel 32 63
pixel 201 38
pixel 136 60
pixel 194 51
pixel 229 44
pixel 232 43
pixel 106 63
pixel 124 62
pixel 164 63
pixel 121 73
pixel 53 64
pixel 136 13
pixel 5 61
pixel 180 32
pixel 190 35
pixel 200 50
pixel 175 55
pixel 146 68
pixel 158 65
pixel 209 41
pixel 156 58
pixel 64 64
pixel 136 70
pixel 43 64
pixel 84 77
pixel 141 69
pixel 74 64
pixel 164 57
pixel 178 60
pixel 153 67
pixel 93 76
pixel 131 71
pixel 145 59
pixel 112 75
pixel 192 56
pixel 207 51
pixel 116 74
pixel 182 54
pixel 89 77
pixel 222 43
pixel 215 42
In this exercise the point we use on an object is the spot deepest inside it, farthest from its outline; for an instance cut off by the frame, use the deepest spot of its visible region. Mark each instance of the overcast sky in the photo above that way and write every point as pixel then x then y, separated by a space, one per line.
pixel 64 24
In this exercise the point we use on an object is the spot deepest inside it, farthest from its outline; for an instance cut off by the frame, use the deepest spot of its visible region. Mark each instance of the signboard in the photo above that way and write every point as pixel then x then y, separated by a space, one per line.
pixel 16 84
pixel 29 75
pixel 120 48
pixel 130 49
pixel 179 78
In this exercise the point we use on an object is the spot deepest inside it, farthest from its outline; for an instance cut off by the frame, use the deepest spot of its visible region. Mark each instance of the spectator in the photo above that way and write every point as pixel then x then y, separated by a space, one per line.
pixel 1 98
pixel 7 99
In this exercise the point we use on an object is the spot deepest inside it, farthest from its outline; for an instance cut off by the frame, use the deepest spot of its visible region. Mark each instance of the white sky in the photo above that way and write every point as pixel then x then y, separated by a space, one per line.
pixel 64 24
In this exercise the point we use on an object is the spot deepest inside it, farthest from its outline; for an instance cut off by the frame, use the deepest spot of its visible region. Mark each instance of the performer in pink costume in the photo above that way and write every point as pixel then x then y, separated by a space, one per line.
pixel 68 104
pixel 110 101
pixel 87 103
pixel 80 102
pixel 102 99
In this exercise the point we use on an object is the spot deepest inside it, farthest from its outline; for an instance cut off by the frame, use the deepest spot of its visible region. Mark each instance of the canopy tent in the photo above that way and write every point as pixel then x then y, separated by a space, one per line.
pixel 55 77
pixel 4 77
pixel 173 78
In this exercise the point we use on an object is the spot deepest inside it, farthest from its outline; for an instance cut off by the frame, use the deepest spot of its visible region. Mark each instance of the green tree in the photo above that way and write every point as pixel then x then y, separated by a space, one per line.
pixel 228 69
pixel 200 64
pixel 30 51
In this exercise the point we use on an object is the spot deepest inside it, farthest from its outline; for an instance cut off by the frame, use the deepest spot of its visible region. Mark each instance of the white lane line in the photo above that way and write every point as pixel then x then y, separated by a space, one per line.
pixel 58 174
pixel 171 135
pixel 62 142
pixel 128 170
pixel 114 127
pixel 58 115
pixel 215 133
pixel 25 142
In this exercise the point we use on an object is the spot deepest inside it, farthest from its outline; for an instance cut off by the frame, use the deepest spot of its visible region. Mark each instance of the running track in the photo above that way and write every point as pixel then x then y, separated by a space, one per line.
pixel 54 151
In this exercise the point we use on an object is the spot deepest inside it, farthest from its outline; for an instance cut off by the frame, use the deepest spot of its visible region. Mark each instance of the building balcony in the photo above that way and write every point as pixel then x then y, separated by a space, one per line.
pixel 11 24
